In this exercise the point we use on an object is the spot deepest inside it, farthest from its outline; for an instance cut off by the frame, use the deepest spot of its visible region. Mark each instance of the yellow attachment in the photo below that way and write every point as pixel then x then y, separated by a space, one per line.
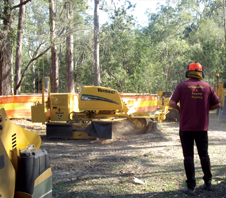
pixel 163 99
pixel 81 135
pixel 221 92
pixel 161 113
pixel 124 107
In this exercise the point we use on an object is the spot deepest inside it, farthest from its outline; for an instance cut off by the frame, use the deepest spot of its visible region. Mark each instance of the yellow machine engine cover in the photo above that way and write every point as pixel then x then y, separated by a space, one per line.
pixel 36 174
pixel 61 106
pixel 93 98
pixel 8 174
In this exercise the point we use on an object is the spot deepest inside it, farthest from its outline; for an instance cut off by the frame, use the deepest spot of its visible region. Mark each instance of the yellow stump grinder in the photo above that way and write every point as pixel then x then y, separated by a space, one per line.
pixel 24 168
pixel 101 114
pixel 164 111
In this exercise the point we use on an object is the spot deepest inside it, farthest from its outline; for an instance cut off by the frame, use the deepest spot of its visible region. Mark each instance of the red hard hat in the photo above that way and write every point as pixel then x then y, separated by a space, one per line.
pixel 195 67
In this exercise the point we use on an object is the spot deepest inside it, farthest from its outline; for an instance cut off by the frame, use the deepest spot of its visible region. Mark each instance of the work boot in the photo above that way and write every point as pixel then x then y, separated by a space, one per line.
pixel 188 191
pixel 207 186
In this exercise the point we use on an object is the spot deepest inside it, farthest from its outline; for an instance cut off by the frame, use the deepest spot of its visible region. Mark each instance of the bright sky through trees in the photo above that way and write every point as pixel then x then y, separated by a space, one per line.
pixel 142 6
pixel 138 13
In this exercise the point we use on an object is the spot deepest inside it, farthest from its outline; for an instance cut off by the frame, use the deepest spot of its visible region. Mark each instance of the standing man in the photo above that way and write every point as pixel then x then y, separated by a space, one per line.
pixel 196 98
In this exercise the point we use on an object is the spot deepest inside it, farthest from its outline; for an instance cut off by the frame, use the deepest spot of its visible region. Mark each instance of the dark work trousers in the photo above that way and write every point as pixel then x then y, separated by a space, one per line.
pixel 187 141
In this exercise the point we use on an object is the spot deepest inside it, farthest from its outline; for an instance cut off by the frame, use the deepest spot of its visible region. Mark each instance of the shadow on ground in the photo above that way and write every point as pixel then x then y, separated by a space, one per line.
pixel 219 191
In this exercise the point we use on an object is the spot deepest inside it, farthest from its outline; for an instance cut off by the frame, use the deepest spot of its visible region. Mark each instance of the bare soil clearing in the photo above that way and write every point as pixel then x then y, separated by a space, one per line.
pixel 106 168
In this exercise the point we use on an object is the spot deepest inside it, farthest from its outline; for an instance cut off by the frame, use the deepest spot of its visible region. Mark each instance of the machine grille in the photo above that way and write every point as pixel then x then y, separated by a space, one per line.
pixel 60 100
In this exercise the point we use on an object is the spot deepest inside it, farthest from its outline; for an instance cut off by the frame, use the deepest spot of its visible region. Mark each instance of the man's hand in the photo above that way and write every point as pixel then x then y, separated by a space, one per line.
pixel 174 105
pixel 215 106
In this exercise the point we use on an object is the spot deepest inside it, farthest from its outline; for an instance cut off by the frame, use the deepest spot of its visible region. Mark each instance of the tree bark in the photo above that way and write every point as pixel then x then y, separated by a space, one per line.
pixel 19 48
pixel 6 50
pixel 6 47
pixel 54 58
pixel 20 4
pixel 96 44
pixel 224 10
pixel 69 52
pixel 33 77
pixel 38 80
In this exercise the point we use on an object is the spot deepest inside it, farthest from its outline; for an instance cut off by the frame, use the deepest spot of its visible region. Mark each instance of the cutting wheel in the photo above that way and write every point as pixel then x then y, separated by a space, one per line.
pixel 130 127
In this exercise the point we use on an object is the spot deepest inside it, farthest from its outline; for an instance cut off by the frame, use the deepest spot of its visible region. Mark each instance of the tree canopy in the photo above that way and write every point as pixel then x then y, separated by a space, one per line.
pixel 132 58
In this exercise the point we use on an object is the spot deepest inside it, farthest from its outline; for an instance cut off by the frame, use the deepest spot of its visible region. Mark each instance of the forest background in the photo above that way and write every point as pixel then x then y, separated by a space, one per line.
pixel 64 40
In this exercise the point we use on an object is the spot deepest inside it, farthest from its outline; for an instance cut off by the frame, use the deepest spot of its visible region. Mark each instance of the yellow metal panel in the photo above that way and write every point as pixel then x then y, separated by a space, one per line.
pixel 43 176
pixel 7 174
pixel 61 106
pixel 99 98
pixel 13 136
pixel 38 114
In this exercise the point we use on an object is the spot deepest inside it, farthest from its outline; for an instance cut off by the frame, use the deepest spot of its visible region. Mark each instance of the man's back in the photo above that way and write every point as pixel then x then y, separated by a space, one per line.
pixel 195 97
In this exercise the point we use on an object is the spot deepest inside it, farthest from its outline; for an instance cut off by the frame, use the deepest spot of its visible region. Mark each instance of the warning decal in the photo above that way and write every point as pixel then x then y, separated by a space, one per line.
pixel 59 116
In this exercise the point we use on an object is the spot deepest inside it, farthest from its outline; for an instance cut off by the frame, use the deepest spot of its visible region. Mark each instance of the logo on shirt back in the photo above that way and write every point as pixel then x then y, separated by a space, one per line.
pixel 196 87
pixel 195 93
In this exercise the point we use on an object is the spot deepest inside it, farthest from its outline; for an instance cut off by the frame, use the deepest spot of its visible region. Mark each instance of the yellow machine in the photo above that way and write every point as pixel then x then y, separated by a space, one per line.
pixel 24 168
pixel 220 89
pixel 99 109
pixel 164 111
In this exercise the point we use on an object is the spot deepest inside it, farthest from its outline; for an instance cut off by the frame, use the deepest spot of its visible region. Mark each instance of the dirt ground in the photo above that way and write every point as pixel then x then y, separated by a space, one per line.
pixel 154 158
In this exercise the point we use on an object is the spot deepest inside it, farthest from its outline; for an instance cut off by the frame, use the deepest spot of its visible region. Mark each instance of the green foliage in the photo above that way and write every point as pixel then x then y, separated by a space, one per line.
pixel 132 59
pixel 207 49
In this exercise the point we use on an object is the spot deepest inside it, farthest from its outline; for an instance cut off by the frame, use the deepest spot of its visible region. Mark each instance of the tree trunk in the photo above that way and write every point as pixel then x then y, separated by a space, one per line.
pixel 5 70
pixel 69 52
pixel 96 44
pixel 11 65
pixel 38 80
pixel 6 50
pixel 19 49
pixel 33 77
pixel 54 58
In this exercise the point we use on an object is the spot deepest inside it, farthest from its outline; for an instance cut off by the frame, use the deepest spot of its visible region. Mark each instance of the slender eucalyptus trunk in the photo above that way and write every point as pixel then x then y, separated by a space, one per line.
pixel 54 58
pixel 19 49
pixel 6 50
pixel 33 77
pixel 96 44
pixel 69 52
